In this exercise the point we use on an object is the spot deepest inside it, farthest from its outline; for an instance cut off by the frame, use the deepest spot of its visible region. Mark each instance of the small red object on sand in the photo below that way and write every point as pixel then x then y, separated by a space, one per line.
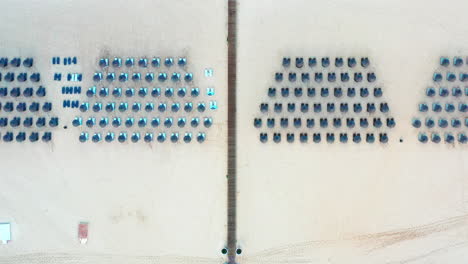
pixel 83 232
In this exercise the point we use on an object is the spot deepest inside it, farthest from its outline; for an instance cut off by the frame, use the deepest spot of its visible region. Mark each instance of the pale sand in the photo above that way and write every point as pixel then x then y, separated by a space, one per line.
pixel 165 203
pixel 402 203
